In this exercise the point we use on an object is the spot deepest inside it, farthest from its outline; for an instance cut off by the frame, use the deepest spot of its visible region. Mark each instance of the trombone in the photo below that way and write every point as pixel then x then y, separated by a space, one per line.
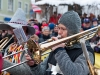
pixel 4 42
pixel 68 41
pixel 88 34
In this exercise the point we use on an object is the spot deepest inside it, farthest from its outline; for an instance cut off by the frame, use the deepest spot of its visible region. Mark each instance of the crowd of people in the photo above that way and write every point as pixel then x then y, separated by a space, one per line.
pixel 66 60
pixel 45 30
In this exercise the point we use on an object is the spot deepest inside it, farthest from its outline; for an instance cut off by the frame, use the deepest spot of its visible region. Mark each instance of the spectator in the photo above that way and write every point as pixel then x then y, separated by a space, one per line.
pixel 37 31
pixel 95 42
pixel 43 24
pixel 91 17
pixel 35 22
pixel 86 24
pixel 51 26
pixel 45 34
pixel 55 31
pixel 94 22
pixel 54 18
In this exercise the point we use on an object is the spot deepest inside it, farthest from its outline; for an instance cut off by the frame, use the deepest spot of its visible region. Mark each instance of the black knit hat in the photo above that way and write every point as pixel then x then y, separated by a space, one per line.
pixel 72 22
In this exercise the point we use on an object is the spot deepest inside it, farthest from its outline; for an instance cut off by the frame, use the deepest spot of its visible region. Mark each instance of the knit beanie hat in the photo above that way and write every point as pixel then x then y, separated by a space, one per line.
pixel 51 26
pixel 45 28
pixel 36 27
pixel 72 22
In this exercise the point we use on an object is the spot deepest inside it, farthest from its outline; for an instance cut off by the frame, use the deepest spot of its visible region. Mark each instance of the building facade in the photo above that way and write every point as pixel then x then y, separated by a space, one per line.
pixel 48 10
pixel 9 7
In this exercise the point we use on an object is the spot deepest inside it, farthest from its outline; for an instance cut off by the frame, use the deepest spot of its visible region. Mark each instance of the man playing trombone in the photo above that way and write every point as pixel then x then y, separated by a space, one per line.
pixel 65 60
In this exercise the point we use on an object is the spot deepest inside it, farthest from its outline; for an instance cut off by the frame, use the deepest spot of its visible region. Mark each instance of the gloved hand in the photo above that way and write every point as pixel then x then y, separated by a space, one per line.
pixel 30 61
pixel 59 45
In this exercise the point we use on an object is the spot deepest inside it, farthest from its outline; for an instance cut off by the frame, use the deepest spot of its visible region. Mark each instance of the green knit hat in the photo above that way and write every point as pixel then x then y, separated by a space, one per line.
pixel 72 22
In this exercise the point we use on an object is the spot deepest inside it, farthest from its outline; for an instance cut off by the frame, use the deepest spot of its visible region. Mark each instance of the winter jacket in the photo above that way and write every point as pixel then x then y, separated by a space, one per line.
pixel 71 61
pixel 22 69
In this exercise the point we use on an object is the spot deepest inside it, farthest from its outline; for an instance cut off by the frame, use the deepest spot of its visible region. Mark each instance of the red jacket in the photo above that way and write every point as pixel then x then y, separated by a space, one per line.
pixel 53 20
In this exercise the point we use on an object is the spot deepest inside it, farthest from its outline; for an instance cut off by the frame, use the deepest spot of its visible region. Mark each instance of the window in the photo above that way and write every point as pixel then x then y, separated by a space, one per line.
pixel 26 8
pixel 10 5
pixel 19 5
pixel 0 4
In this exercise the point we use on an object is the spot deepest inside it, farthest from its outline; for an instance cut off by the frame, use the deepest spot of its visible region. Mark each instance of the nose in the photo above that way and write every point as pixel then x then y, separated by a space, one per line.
pixel 59 32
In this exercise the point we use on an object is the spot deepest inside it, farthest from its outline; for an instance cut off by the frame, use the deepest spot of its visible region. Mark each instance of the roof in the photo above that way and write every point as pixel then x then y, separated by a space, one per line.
pixel 58 2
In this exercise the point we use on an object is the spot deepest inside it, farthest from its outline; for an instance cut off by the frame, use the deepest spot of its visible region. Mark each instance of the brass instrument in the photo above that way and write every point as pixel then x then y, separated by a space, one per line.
pixel 31 48
pixel 93 70
pixel 34 48
pixel 4 42
pixel 71 39
pixel 68 41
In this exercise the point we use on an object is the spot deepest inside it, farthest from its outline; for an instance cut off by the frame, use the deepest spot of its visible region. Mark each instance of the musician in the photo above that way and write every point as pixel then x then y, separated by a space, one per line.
pixel 21 69
pixel 17 21
pixel 65 60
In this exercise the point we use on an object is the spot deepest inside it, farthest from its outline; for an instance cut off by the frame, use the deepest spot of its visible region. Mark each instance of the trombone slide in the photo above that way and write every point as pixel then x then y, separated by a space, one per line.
pixel 86 55
pixel 71 39
pixel 13 66
pixel 91 68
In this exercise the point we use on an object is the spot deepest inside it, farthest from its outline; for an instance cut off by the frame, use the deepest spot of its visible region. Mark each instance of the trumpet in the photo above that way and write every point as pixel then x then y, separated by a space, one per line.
pixel 69 41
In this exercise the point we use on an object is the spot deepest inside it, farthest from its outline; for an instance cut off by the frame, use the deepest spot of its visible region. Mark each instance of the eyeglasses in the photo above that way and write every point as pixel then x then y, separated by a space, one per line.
pixel 61 28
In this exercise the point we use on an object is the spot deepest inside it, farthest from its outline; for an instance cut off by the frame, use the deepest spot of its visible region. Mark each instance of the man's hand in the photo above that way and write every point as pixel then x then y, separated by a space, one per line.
pixel 30 61
pixel 59 45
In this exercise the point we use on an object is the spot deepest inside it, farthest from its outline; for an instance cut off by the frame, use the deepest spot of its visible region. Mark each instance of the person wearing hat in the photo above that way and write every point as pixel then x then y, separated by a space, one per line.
pixel 37 31
pixel 86 24
pixel 65 60
pixel 94 22
pixel 95 42
pixel 55 31
pixel 45 35
pixel 18 21
pixel 51 26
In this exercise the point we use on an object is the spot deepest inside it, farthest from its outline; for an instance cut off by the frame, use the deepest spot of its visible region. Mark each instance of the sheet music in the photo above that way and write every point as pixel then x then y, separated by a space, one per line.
pixel 23 34
pixel 20 35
